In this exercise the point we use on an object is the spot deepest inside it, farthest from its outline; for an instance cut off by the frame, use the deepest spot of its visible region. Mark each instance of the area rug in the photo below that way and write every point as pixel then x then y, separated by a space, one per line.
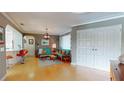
pixel 44 63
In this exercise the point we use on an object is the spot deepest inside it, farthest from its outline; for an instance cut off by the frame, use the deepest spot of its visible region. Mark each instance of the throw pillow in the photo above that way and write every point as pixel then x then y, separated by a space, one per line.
pixel 40 51
pixel 43 52
pixel 63 52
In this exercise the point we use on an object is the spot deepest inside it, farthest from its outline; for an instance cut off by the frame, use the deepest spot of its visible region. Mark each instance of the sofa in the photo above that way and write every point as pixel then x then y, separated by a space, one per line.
pixel 44 52
pixel 62 54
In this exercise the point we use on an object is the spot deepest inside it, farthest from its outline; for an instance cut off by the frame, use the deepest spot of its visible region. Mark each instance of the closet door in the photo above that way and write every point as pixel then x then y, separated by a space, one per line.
pixel 107 46
pixel 102 53
pixel 100 49
pixel 85 53
pixel 97 46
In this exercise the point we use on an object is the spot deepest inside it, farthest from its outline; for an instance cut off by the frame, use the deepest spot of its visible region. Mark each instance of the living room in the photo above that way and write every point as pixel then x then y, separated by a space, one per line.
pixel 44 46
pixel 59 45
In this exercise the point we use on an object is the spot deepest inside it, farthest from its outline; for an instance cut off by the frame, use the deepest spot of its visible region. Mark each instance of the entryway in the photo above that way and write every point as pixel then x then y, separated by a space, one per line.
pixel 29 44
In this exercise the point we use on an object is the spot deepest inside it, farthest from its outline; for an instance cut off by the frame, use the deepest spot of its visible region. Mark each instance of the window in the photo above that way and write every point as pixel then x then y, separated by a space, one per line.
pixel 65 42
pixel 13 39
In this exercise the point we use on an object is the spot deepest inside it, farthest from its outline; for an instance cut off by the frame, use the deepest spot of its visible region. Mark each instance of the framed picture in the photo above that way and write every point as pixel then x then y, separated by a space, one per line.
pixel 31 41
pixel 1 35
pixel 44 42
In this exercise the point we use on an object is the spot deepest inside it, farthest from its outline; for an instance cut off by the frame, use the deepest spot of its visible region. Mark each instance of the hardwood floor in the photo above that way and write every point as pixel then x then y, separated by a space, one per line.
pixel 32 71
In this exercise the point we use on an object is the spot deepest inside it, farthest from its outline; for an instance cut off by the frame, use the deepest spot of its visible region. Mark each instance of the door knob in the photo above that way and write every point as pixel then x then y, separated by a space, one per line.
pixel 96 49
pixel 92 49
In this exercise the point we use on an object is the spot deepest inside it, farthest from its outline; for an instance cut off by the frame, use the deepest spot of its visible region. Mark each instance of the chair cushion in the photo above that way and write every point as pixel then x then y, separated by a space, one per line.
pixel 60 55
pixel 43 52
pixel 67 52
pixel 63 52
pixel 48 51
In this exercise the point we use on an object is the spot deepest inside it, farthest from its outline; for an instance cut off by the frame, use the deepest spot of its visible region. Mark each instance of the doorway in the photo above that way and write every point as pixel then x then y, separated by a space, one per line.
pixel 29 44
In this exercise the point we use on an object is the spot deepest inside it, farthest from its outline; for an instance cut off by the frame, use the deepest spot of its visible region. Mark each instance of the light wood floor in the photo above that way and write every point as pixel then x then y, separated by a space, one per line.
pixel 32 71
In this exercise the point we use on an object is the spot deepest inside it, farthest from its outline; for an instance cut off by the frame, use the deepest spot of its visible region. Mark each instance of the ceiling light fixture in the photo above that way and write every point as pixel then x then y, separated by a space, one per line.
pixel 46 35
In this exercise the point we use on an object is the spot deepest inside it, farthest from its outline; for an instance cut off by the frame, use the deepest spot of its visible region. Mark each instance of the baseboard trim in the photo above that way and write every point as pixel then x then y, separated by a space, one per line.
pixel 73 63
pixel 3 78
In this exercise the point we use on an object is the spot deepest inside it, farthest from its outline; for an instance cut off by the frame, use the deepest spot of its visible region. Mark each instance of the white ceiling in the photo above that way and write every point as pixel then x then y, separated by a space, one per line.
pixel 58 22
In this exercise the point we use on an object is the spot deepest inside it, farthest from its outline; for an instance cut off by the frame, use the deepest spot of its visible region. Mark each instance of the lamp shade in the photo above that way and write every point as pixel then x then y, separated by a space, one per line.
pixel 53 45
pixel 46 36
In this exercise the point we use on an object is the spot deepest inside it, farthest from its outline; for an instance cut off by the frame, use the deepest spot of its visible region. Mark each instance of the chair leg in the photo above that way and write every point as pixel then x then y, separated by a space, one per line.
pixel 22 60
pixel 61 58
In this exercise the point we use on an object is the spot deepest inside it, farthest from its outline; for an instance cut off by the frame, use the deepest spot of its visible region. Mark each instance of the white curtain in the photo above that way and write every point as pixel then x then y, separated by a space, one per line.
pixel 65 42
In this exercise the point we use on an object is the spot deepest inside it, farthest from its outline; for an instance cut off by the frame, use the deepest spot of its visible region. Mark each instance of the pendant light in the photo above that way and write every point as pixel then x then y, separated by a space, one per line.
pixel 46 35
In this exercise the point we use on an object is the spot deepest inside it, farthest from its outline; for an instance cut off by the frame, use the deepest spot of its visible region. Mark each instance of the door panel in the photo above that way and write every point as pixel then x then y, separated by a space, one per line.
pixel 85 52
pixel 108 46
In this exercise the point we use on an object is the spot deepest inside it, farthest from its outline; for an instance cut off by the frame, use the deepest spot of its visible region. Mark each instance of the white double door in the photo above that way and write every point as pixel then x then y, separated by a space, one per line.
pixel 96 47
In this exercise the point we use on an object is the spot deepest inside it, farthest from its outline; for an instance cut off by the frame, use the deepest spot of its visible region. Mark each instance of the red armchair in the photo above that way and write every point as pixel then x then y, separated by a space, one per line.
pixel 21 54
